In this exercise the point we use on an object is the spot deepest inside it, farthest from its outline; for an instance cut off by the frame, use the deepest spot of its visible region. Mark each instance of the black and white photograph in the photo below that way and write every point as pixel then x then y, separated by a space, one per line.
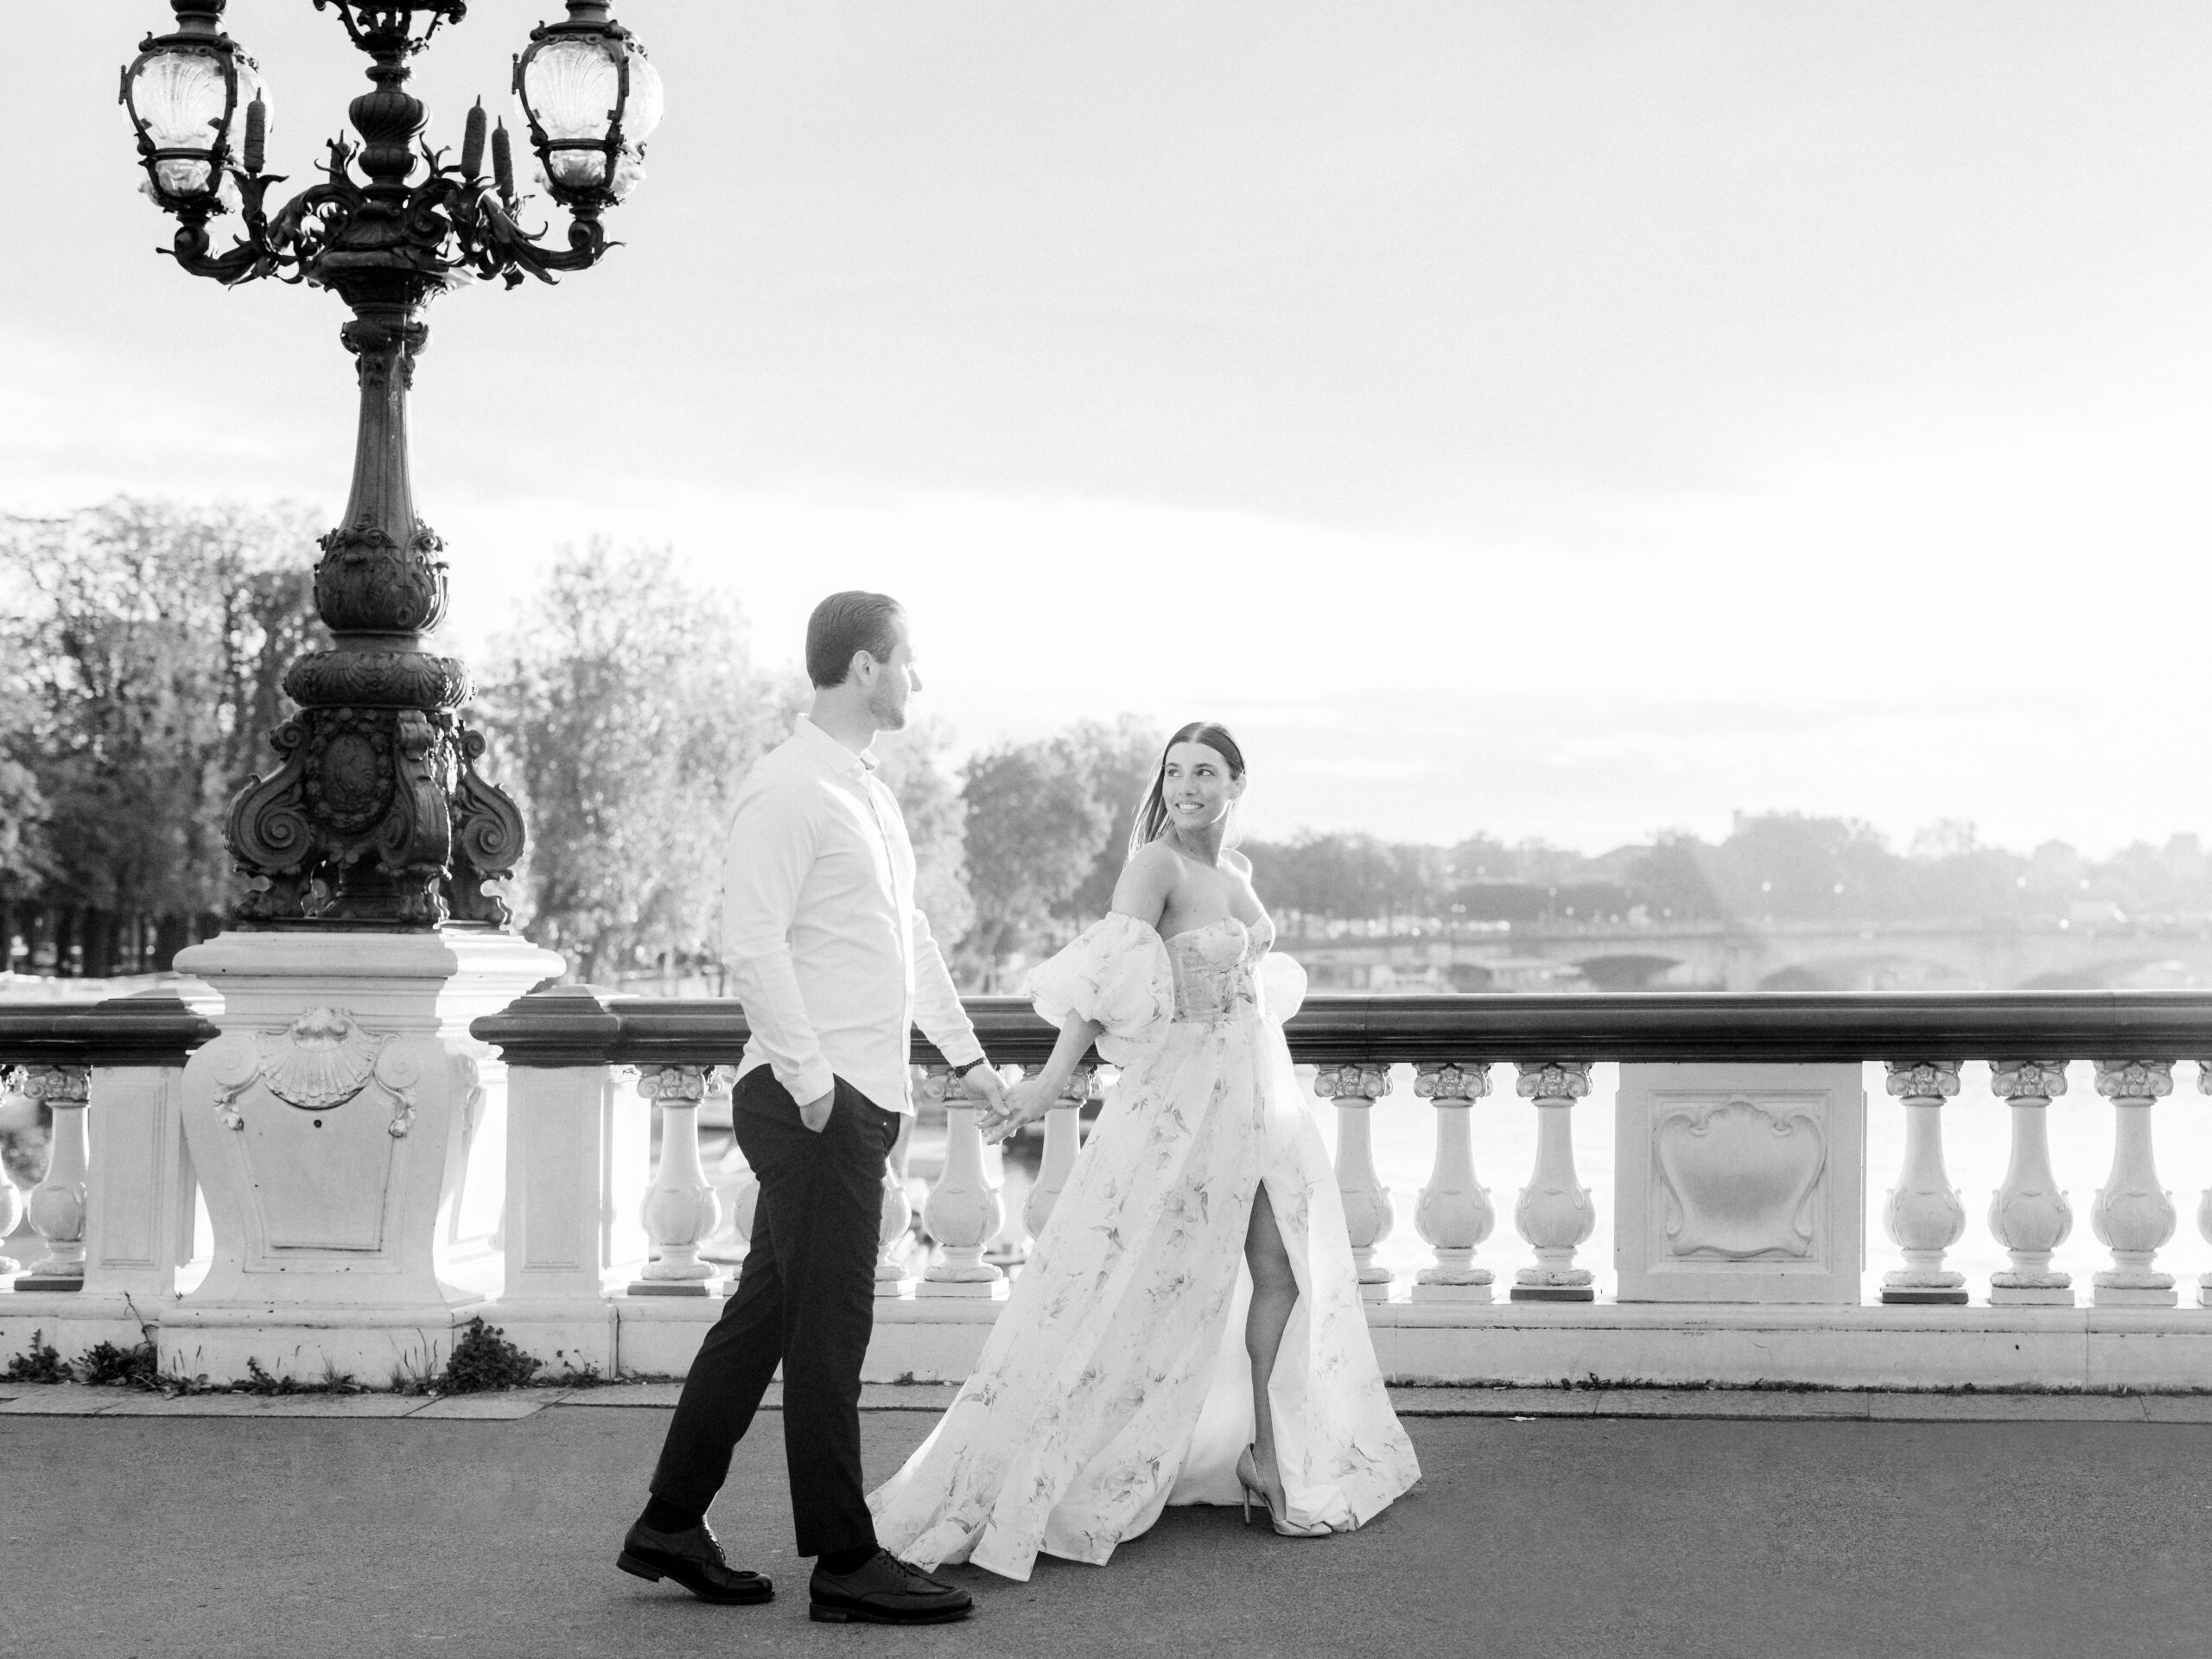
pixel 1009 828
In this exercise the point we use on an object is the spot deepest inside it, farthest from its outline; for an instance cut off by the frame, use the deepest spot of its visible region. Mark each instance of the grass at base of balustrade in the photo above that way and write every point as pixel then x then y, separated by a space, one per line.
pixel 482 1360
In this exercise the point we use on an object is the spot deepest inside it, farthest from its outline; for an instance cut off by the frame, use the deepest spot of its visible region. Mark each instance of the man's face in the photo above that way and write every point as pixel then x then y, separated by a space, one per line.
pixel 895 681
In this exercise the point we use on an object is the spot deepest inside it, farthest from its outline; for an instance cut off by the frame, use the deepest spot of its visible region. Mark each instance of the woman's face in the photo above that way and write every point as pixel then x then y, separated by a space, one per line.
pixel 1195 785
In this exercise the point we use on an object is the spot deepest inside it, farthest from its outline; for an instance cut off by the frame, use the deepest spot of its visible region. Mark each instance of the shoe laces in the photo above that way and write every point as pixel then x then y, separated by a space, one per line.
pixel 913 1575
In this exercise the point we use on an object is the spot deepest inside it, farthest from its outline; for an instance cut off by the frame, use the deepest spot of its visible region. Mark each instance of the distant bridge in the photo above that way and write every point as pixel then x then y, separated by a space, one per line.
pixel 1767 957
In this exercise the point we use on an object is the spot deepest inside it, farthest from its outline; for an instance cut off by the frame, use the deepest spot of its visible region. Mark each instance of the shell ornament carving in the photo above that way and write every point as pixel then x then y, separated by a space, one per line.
pixel 322 1060
pixel 1741 1179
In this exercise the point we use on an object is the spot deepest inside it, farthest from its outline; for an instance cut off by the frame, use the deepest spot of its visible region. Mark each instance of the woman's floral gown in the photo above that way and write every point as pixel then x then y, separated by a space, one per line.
pixel 1115 1381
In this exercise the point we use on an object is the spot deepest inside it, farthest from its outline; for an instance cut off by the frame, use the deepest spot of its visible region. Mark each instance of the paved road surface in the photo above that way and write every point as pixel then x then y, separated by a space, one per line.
pixel 126 1536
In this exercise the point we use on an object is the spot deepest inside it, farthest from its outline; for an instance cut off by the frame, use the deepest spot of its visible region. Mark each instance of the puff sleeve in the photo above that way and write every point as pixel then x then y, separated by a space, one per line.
pixel 1282 986
pixel 1115 973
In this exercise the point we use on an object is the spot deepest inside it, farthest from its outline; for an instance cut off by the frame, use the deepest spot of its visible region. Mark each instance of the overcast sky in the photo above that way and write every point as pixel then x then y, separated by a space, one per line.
pixel 1560 419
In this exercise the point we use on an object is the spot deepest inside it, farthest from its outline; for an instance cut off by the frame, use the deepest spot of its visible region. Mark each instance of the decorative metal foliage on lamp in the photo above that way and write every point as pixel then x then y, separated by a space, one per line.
pixel 376 816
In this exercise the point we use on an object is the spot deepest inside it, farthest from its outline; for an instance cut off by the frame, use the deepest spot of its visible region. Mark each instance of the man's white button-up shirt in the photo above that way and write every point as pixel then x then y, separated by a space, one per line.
pixel 834 963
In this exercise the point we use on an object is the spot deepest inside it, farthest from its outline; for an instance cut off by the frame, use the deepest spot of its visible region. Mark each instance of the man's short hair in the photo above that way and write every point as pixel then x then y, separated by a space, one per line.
pixel 843 623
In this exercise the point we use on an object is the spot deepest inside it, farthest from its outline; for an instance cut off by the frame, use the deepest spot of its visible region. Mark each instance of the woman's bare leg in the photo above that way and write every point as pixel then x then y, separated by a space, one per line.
pixel 1275 1292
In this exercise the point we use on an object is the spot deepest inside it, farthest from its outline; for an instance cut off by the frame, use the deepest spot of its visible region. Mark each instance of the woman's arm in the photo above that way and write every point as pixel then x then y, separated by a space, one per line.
pixel 1031 1098
pixel 1148 882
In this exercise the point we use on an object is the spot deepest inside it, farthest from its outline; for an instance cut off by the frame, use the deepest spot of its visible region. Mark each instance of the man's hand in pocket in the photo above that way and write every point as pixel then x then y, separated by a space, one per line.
pixel 815 1114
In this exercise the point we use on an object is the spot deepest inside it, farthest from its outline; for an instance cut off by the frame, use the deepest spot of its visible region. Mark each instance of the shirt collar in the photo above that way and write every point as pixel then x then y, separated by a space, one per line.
pixel 830 751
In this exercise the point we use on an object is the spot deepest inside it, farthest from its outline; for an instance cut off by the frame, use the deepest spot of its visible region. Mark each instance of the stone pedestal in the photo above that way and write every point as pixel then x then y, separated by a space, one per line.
pixel 331 1126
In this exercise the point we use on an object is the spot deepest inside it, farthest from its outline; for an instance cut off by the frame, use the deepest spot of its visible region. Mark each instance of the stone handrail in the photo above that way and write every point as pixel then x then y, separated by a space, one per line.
pixel 153 1028
pixel 108 1055
pixel 575 1026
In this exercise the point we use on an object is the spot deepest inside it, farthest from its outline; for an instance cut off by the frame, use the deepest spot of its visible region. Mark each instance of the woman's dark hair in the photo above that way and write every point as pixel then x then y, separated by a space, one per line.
pixel 1152 816
pixel 843 623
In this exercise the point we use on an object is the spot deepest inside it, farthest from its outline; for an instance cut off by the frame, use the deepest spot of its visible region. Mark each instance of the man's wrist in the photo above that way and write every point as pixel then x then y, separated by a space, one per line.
pixel 966 1066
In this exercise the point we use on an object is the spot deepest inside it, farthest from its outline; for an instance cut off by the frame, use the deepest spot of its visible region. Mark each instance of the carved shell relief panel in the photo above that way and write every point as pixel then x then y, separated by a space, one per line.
pixel 1740 1180
pixel 317 1063
pixel 323 1060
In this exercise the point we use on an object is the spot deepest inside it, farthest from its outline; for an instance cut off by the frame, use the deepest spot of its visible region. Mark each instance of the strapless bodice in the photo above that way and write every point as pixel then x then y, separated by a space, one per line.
pixel 1213 967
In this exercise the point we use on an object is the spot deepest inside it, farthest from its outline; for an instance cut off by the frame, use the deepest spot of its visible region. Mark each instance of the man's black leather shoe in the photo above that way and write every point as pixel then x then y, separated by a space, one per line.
pixel 884 1590
pixel 694 1560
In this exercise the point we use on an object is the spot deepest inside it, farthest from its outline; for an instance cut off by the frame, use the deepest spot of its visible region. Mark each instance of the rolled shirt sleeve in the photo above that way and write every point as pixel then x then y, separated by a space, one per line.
pixel 771 845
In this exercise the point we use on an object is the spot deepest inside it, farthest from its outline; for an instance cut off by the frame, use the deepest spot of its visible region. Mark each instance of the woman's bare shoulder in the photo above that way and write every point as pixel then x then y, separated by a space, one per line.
pixel 1154 858
pixel 1148 881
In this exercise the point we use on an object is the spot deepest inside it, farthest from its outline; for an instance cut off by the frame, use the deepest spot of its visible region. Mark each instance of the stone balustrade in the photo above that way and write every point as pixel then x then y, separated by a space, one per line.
pixel 1739 1200
pixel 110 1212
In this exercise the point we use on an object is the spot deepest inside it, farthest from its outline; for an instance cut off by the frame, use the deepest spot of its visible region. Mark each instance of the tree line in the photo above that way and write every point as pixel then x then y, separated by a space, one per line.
pixel 145 644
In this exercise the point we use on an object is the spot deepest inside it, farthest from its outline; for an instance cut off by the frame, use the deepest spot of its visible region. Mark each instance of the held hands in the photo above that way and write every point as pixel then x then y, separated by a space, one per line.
pixel 1025 1103
pixel 985 1084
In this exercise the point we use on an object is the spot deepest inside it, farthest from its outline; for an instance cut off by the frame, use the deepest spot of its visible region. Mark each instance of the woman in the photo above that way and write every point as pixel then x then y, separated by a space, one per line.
pixel 1188 1328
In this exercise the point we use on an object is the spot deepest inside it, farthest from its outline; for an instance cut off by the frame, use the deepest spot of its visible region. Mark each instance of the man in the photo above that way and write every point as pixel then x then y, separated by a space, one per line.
pixel 835 965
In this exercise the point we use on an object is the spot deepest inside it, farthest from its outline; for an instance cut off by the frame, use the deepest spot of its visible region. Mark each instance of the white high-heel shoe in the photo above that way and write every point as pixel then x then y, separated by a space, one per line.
pixel 1247 1476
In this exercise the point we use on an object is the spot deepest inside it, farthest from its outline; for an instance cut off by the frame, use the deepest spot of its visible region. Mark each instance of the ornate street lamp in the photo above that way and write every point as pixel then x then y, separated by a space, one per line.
pixel 591 100
pixel 377 816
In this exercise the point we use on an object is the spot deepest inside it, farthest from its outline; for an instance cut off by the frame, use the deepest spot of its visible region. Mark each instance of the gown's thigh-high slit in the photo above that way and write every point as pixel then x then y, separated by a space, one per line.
pixel 1117 1379
pixel 1273 1279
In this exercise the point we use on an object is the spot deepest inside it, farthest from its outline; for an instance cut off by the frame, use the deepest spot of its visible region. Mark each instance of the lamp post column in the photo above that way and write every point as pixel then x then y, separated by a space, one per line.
pixel 338 1119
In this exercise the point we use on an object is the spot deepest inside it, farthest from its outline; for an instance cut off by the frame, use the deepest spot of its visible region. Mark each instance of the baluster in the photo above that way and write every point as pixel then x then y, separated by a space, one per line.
pixel 57 1203
pixel 1924 1215
pixel 1063 1136
pixel 1554 1213
pixel 2133 1215
pixel 2204 1204
pixel 1368 1215
pixel 680 1211
pixel 1454 1214
pixel 898 1215
pixel 963 1210
pixel 11 1200
pixel 2029 1214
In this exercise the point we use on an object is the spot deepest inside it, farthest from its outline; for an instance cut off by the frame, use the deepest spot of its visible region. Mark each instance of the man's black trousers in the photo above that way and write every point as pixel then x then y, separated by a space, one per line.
pixel 805 1300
